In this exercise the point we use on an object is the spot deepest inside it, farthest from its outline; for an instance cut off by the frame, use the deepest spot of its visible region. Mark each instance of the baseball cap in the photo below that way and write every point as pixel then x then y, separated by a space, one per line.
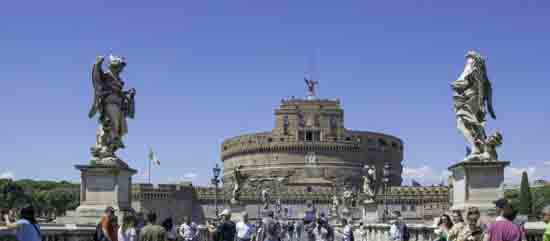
pixel 501 203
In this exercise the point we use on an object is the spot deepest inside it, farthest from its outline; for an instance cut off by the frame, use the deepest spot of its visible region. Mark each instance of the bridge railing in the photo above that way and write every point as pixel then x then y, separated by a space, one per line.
pixel 374 232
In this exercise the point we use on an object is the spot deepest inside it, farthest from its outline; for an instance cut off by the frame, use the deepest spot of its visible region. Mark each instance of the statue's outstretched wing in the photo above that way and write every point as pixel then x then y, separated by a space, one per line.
pixel 488 98
pixel 97 83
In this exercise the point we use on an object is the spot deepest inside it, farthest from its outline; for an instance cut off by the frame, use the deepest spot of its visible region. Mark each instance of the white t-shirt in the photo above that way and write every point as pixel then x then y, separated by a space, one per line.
pixel 129 235
pixel 188 231
pixel 347 232
pixel 244 230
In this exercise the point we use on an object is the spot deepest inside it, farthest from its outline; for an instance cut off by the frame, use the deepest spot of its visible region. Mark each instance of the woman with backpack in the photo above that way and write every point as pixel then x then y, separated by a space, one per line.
pixel 27 228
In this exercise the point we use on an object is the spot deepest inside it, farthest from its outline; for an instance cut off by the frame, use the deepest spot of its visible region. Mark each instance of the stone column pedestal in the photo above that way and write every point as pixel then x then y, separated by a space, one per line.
pixel 477 184
pixel 102 186
pixel 370 212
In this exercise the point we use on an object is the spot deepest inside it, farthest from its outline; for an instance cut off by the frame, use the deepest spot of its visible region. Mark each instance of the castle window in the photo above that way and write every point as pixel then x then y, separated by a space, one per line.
pixel 394 144
pixel 348 138
pixel 413 208
pixel 382 142
pixel 269 139
pixel 309 136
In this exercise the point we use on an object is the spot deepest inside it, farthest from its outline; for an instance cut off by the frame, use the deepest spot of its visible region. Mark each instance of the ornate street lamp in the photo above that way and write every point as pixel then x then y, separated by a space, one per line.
pixel 215 181
pixel 386 177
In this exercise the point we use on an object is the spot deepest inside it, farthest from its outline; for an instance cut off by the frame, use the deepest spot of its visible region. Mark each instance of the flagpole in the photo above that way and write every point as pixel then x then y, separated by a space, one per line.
pixel 149 172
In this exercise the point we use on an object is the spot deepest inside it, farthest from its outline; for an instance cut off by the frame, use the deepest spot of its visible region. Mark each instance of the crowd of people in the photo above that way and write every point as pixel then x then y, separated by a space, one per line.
pixel 136 227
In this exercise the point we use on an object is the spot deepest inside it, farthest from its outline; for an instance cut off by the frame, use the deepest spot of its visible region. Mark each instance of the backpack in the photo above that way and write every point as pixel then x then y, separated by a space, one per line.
pixel 98 235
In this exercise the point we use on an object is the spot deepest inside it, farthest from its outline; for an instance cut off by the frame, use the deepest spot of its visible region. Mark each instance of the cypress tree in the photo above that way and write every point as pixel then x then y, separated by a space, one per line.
pixel 525 198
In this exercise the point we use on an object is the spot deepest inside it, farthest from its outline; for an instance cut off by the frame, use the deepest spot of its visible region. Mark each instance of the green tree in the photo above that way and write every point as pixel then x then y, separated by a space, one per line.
pixel 525 197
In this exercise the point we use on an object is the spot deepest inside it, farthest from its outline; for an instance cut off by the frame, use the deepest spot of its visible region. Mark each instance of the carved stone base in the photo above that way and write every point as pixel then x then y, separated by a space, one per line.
pixel 477 184
pixel 370 212
pixel 102 186
pixel 237 210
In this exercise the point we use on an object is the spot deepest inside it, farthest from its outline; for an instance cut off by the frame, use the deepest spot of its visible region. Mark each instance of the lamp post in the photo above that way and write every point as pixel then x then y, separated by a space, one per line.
pixel 215 181
pixel 386 174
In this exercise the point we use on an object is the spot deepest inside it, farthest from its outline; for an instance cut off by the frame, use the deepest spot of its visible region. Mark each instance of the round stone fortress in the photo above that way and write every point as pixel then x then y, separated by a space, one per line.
pixel 311 146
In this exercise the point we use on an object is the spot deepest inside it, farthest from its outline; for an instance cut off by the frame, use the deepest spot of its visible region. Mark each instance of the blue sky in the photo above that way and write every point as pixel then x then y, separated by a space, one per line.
pixel 209 70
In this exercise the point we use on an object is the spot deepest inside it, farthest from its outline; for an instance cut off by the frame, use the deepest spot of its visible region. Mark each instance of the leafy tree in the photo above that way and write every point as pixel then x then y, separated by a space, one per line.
pixel 525 197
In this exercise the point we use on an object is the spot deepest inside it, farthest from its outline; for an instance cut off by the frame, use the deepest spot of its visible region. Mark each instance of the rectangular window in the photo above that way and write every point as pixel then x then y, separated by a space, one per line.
pixel 309 136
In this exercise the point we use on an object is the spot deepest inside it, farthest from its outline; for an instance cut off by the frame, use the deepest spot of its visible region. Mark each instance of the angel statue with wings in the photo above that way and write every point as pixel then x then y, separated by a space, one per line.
pixel 472 101
pixel 369 182
pixel 113 104
pixel 238 181
pixel 311 86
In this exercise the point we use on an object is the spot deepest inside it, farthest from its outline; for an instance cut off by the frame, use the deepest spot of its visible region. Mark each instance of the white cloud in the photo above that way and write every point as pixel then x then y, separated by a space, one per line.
pixel 512 175
pixel 421 172
pixel 425 175
pixel 7 175
pixel 189 176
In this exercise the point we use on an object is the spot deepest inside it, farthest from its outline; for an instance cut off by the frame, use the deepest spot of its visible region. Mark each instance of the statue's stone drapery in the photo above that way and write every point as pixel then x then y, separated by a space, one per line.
pixel 114 105
pixel 472 101
pixel 369 183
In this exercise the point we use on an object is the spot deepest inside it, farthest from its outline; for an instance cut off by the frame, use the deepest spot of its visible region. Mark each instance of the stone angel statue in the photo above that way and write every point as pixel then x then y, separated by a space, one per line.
pixel 238 182
pixel 265 197
pixel 369 182
pixel 113 104
pixel 473 97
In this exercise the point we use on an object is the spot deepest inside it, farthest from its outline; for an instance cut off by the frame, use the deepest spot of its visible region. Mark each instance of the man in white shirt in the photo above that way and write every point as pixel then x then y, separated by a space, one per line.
pixel 244 229
pixel 188 230
pixel 347 231
pixel 398 229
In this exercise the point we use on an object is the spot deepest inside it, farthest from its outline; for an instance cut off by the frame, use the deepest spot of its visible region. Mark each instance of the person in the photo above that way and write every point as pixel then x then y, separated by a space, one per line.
pixel 546 219
pixel 362 232
pixel 127 232
pixel 107 229
pixel 226 229
pixel 139 222
pixel 4 216
pixel 347 231
pixel 244 229
pixel 472 232
pixel 151 231
pixel 503 229
pixel 298 228
pixel 444 225
pixel 270 229
pixel 26 228
pixel 170 228
pixel 290 231
pixel 211 230
pixel 188 230
pixel 458 225
pixel 398 229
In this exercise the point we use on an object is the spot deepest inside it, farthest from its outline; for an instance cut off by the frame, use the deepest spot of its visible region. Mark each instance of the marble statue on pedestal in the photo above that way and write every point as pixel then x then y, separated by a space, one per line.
pixel 238 182
pixel 334 205
pixel 472 101
pixel 114 105
pixel 266 198
pixel 369 183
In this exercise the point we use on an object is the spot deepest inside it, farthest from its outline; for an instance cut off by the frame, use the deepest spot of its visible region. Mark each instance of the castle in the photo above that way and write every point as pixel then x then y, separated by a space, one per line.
pixel 315 154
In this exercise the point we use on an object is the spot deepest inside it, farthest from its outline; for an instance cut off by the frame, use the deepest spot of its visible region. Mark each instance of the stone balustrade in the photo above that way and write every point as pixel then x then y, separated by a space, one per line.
pixel 374 232
pixel 57 233
pixel 419 232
